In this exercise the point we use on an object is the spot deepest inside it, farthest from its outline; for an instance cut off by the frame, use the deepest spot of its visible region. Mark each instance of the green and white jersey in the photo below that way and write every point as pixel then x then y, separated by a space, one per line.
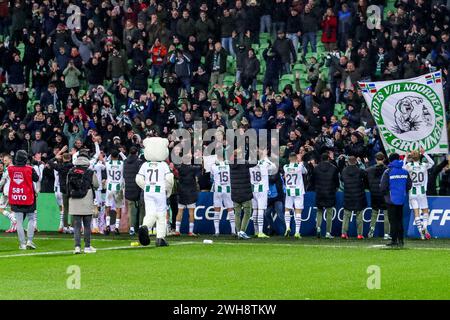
pixel 293 177
pixel 154 174
pixel 259 175
pixel 418 171
pixel 98 166
pixel 220 172
pixel 114 175
pixel 4 182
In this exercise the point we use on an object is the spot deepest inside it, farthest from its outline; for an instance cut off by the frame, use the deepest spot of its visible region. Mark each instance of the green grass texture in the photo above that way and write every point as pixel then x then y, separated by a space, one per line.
pixel 276 268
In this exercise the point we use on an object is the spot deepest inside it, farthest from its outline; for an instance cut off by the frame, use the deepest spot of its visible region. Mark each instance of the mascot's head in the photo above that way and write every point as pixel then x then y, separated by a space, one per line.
pixel 156 149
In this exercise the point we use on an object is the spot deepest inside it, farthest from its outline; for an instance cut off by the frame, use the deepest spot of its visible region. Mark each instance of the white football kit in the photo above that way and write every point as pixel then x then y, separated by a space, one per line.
pixel 259 178
pixel 5 183
pixel 57 189
pixel 220 172
pixel 39 168
pixel 114 184
pixel 98 166
pixel 295 189
pixel 418 171
pixel 154 174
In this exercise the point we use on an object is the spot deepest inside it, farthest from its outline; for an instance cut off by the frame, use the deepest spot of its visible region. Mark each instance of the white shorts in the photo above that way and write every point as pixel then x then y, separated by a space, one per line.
pixel 294 202
pixel 155 203
pixel 418 202
pixel 114 199
pixel 189 206
pixel 59 198
pixel 3 201
pixel 223 200
pixel 99 198
pixel 259 200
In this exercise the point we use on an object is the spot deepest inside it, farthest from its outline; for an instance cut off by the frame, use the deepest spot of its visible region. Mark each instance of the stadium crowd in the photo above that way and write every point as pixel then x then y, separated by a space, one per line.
pixel 76 74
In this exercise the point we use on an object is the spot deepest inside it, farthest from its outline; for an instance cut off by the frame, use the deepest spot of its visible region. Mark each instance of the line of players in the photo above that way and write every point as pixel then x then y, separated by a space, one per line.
pixel 259 179
pixel 113 197
pixel 295 190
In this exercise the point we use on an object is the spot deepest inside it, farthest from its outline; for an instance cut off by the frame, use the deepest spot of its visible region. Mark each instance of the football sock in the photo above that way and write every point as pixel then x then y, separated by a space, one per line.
pixel 418 224
pixel 298 222
pixel 117 223
pixel 260 221
pixel 10 216
pixel 232 222
pixel 61 219
pixel 287 219
pixel 35 219
pixel 95 223
pixel 255 221
pixel 216 222
pixel 191 227
pixel 425 220
pixel 108 220
pixel 177 226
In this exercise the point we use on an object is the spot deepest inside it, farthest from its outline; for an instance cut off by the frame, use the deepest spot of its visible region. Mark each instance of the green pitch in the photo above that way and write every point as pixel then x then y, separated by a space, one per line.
pixel 227 269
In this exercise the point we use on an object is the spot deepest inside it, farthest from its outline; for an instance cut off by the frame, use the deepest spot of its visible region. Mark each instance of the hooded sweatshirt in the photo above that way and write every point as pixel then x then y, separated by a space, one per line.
pixel 395 183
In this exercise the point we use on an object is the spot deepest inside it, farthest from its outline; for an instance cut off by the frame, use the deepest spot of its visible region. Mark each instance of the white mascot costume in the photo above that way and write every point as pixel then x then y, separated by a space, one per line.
pixel 156 179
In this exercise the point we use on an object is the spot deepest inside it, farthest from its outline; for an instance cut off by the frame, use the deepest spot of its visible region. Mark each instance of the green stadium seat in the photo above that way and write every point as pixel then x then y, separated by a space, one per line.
pixel 259 87
pixel 339 109
pixel 229 80
pixel 149 82
pixel 299 67
pixel 264 36
pixel 284 83
pixel 156 88
pixel 21 48
pixel 288 77
pixel 263 46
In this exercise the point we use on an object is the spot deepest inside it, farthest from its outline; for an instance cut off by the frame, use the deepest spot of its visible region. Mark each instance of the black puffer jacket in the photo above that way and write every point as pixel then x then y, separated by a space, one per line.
pixel 187 184
pixel 241 189
pixel 325 182
pixel 63 169
pixel 355 181
pixel 276 179
pixel 374 174
pixel 130 170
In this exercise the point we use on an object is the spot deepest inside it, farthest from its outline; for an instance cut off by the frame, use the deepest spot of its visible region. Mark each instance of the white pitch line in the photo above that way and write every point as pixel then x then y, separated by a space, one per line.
pixel 70 238
pixel 322 245
pixel 48 253
pixel 241 243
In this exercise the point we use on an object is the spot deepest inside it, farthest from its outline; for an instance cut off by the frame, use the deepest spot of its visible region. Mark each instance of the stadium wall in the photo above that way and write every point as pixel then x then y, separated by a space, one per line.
pixel 48 217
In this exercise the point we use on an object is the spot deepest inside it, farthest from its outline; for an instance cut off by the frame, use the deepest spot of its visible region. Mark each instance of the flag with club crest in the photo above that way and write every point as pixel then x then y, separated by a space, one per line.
pixel 409 113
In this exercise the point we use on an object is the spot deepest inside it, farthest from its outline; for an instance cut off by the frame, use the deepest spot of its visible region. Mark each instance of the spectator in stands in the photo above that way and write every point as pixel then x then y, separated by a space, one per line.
pixel 285 49
pixel 293 27
pixel 309 28
pixel 250 71
pixel 329 30
pixel 216 63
